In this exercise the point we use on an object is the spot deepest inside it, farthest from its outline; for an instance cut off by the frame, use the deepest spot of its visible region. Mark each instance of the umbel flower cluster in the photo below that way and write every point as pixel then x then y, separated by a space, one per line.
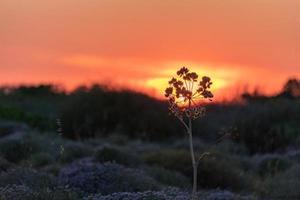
pixel 185 93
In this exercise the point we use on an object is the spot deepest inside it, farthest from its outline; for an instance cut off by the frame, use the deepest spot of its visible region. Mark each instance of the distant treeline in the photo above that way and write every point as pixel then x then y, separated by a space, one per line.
pixel 262 123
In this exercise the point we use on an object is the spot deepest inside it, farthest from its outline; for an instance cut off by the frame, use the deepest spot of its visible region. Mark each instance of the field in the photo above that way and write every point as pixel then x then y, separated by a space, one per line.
pixel 98 144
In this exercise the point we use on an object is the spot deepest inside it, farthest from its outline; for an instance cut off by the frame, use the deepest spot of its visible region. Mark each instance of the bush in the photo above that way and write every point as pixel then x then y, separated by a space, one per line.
pixel 16 150
pixel 170 194
pixel 5 130
pixel 284 185
pixel 27 177
pixel 268 126
pixel 4 164
pixel 113 154
pixel 48 142
pixel 57 193
pixel 178 160
pixel 21 192
pixel 270 164
pixel 215 171
pixel 16 114
pixel 223 173
pixel 105 178
pixel 294 155
pixel 74 151
pixel 16 192
pixel 168 177
pixel 226 195
pixel 97 111
pixel 41 159
pixel 52 169
pixel 231 147
pixel 117 139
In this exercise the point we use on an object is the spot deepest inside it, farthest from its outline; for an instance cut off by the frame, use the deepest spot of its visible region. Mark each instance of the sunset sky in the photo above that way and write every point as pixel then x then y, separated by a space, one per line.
pixel 141 43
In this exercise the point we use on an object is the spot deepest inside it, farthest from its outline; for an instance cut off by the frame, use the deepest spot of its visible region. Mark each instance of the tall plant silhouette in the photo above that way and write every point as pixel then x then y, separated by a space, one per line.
pixel 185 94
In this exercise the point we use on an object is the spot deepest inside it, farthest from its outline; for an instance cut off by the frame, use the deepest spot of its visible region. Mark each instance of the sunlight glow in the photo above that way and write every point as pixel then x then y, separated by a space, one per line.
pixel 220 78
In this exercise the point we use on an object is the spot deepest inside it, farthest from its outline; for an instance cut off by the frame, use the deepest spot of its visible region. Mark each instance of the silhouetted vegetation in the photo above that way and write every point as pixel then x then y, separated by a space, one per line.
pixel 76 145
pixel 96 111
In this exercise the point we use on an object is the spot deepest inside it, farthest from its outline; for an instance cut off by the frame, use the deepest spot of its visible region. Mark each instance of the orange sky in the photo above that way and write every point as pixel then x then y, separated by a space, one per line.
pixel 141 43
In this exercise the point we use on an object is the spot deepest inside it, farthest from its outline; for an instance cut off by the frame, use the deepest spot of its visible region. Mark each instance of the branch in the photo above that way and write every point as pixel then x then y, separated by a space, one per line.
pixel 220 139
pixel 202 156
pixel 208 153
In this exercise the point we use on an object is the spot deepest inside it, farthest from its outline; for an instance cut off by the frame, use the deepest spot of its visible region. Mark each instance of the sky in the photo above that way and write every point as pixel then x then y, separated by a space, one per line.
pixel 140 44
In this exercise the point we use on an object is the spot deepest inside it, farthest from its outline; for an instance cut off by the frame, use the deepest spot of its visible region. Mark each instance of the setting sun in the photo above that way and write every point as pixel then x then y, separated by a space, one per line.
pixel 159 84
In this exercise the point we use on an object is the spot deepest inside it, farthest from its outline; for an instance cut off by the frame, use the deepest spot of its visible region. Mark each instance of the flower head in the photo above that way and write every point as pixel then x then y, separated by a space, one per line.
pixel 185 91
pixel 183 71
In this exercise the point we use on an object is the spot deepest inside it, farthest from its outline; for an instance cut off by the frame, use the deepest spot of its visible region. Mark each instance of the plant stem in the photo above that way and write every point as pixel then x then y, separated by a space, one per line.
pixel 194 163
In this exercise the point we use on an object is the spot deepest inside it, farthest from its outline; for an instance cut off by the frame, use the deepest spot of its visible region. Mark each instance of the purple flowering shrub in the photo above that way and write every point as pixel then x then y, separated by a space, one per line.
pixel 15 192
pixel 105 178
pixel 21 192
pixel 170 194
pixel 28 184
pixel 27 177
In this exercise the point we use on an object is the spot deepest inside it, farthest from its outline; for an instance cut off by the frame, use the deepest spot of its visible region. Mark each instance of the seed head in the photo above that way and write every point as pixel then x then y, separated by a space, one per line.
pixel 185 92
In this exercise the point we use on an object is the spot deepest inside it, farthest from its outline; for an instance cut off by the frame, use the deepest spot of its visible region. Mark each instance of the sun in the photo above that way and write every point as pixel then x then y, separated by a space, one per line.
pixel 160 83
